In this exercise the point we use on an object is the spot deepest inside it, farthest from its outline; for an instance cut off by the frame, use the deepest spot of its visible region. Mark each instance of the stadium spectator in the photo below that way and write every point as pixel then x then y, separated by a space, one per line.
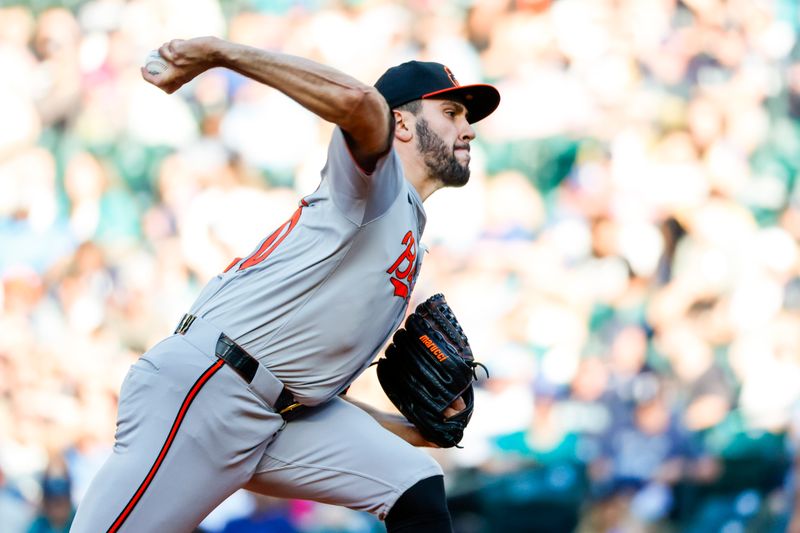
pixel 634 219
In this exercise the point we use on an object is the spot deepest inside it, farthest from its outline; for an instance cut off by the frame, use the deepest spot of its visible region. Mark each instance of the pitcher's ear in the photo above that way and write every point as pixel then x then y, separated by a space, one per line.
pixel 403 125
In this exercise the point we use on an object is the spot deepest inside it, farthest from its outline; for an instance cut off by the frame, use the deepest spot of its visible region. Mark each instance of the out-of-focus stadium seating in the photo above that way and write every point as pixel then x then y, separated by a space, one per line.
pixel 625 258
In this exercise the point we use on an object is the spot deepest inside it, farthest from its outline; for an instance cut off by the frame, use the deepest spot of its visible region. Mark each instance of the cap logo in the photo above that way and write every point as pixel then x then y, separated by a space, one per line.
pixel 450 75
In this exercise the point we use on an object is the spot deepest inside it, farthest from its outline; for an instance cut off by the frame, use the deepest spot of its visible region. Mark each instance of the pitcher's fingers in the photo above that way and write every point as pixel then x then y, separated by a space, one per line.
pixel 147 76
pixel 456 407
pixel 158 81
pixel 167 51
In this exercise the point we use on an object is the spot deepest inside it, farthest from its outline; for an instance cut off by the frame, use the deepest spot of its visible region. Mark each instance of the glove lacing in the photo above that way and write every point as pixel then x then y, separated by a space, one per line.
pixel 473 365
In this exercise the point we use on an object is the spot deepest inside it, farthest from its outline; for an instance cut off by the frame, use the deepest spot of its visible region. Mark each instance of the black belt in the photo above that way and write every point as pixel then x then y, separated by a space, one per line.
pixel 245 365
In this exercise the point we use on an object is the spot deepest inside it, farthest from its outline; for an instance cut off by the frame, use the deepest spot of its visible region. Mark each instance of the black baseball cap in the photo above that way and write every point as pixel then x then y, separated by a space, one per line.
pixel 415 80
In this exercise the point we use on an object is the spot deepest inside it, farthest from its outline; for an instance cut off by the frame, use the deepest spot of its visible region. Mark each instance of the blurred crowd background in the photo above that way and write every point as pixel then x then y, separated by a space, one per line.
pixel 625 259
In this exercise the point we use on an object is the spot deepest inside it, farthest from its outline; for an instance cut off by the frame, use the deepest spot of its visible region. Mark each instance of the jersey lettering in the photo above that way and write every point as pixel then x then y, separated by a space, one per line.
pixel 402 270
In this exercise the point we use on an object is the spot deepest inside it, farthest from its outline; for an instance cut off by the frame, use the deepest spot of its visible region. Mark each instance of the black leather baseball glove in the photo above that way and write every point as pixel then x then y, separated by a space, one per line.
pixel 426 368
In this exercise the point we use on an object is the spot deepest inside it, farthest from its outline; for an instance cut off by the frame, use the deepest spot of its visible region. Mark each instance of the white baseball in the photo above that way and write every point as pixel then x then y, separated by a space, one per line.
pixel 154 63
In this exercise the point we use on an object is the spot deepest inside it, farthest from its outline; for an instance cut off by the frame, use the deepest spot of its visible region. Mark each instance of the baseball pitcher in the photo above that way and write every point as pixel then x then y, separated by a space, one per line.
pixel 249 390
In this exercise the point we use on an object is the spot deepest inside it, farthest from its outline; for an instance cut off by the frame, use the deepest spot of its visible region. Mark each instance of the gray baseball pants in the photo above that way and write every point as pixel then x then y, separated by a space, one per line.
pixel 191 431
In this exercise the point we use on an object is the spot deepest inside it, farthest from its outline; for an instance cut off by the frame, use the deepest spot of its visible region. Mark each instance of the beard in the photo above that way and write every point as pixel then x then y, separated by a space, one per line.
pixel 440 160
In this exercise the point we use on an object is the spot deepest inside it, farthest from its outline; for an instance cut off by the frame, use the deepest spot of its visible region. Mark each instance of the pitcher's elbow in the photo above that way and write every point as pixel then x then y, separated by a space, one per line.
pixel 364 106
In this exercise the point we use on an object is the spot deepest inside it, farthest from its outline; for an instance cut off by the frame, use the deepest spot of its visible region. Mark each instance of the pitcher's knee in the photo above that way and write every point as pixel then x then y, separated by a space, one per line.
pixel 421 509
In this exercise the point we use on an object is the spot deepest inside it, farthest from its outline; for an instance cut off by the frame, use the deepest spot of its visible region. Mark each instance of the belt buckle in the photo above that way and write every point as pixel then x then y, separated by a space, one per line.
pixel 290 412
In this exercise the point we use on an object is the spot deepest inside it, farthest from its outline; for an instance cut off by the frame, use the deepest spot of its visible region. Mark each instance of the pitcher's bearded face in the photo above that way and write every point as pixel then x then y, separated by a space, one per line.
pixel 442 159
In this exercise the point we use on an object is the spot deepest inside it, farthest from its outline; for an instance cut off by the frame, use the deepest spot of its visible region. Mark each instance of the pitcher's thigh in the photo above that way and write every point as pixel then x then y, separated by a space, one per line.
pixel 340 455
pixel 189 434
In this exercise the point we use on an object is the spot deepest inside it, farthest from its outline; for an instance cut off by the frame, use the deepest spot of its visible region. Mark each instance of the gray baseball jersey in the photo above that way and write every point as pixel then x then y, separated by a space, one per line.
pixel 319 297
pixel 313 303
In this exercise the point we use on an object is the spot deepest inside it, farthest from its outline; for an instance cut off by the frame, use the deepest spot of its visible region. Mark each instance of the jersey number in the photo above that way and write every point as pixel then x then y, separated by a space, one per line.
pixel 271 242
